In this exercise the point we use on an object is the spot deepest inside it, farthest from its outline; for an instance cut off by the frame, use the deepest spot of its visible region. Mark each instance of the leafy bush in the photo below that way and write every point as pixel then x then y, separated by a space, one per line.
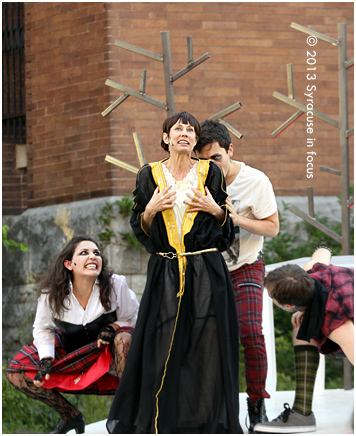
pixel 125 205
pixel 131 240
pixel 10 244
pixel 302 241
pixel 108 213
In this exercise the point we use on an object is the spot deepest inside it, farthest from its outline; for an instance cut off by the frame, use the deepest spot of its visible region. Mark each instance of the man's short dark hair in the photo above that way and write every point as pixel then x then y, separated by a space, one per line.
pixel 290 284
pixel 213 131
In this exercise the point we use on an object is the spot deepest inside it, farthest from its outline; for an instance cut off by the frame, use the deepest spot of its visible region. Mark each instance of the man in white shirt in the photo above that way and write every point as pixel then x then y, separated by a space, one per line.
pixel 253 209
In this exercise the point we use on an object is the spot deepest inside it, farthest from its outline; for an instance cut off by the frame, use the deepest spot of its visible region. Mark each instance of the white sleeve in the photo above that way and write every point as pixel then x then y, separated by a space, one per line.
pixel 264 204
pixel 125 302
pixel 43 329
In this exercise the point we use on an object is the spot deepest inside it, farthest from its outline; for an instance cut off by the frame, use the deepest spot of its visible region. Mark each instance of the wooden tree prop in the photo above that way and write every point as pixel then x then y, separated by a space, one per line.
pixel 342 125
pixel 169 79
pixel 344 134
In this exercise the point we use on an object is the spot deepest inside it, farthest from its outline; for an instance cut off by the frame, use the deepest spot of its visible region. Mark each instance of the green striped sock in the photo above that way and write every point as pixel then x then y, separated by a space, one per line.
pixel 306 360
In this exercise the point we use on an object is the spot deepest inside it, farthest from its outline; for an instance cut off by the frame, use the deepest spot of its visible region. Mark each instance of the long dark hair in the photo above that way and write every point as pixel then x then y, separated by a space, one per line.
pixel 56 280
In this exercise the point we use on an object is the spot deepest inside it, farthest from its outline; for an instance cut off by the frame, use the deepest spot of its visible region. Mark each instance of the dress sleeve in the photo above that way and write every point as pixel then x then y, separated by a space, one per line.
pixel 43 329
pixel 125 302
pixel 145 186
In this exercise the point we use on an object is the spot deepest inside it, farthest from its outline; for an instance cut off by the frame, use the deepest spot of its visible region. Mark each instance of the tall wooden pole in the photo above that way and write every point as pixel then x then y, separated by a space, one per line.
pixel 344 141
pixel 168 73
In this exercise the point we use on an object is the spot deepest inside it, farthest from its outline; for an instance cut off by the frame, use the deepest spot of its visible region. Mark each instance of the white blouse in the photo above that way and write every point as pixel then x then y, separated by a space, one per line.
pixel 122 299
pixel 182 187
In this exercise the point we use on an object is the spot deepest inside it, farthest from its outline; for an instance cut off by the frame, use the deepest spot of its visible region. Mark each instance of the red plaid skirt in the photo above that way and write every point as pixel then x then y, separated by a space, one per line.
pixel 83 371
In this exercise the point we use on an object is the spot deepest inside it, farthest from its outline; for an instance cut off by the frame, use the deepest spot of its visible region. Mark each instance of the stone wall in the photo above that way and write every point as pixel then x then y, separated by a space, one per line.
pixel 47 229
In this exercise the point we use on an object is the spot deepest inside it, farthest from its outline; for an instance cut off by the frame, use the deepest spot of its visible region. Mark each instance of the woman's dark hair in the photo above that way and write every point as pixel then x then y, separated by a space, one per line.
pixel 56 280
pixel 290 284
pixel 185 118
pixel 213 131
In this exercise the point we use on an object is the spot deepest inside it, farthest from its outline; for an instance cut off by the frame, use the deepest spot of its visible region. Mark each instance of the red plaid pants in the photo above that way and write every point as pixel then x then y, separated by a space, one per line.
pixel 248 287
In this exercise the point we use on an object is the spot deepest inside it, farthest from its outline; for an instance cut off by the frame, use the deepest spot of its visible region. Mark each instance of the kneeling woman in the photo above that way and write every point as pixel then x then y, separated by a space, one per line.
pixel 82 333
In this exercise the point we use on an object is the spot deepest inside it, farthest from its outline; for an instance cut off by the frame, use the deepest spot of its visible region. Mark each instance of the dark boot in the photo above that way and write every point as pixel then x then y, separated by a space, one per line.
pixel 256 413
pixel 65 425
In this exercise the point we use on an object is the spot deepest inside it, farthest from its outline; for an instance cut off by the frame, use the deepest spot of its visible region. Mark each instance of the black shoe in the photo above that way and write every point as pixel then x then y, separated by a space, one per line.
pixel 256 413
pixel 65 425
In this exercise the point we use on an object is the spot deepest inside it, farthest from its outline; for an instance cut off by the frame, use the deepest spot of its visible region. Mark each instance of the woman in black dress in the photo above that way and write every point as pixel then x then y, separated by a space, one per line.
pixel 182 370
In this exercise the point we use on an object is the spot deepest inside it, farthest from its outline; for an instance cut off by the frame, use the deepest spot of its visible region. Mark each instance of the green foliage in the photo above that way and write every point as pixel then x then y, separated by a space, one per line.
pixel 284 349
pixel 10 244
pixel 351 192
pixel 286 381
pixel 302 241
pixel 279 248
pixel 106 235
pixel 130 239
pixel 334 372
pixel 242 378
pixel 22 414
pixel 125 205
pixel 108 213
pixel 105 217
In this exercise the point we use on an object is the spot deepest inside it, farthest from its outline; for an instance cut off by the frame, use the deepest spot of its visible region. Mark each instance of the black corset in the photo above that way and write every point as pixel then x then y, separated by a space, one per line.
pixel 77 335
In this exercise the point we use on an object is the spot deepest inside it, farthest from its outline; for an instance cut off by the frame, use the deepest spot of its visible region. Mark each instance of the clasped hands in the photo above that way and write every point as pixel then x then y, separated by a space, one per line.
pixel 199 202
pixel 161 200
pixel 165 199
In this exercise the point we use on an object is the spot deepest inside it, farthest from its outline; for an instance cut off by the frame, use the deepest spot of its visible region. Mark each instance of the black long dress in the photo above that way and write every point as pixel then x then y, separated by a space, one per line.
pixel 181 375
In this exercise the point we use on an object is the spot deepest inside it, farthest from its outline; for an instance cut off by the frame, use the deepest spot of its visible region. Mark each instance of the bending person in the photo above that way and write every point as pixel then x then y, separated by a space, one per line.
pixel 323 296
pixel 82 333
pixel 182 370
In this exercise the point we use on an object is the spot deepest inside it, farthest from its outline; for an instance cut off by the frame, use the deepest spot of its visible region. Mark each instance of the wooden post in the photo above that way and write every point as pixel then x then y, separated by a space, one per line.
pixel 168 74
pixel 344 141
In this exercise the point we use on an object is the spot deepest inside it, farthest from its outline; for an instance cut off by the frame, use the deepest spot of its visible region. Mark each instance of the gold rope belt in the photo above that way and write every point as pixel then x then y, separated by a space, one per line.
pixel 171 255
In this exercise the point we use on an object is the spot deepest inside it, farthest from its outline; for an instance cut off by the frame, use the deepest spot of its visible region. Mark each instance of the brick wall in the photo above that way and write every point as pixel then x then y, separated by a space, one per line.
pixel 70 53
pixel 14 181
pixel 66 50
pixel 250 45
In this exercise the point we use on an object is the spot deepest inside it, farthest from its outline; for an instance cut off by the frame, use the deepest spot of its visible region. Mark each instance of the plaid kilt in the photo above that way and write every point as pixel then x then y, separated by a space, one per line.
pixel 83 371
